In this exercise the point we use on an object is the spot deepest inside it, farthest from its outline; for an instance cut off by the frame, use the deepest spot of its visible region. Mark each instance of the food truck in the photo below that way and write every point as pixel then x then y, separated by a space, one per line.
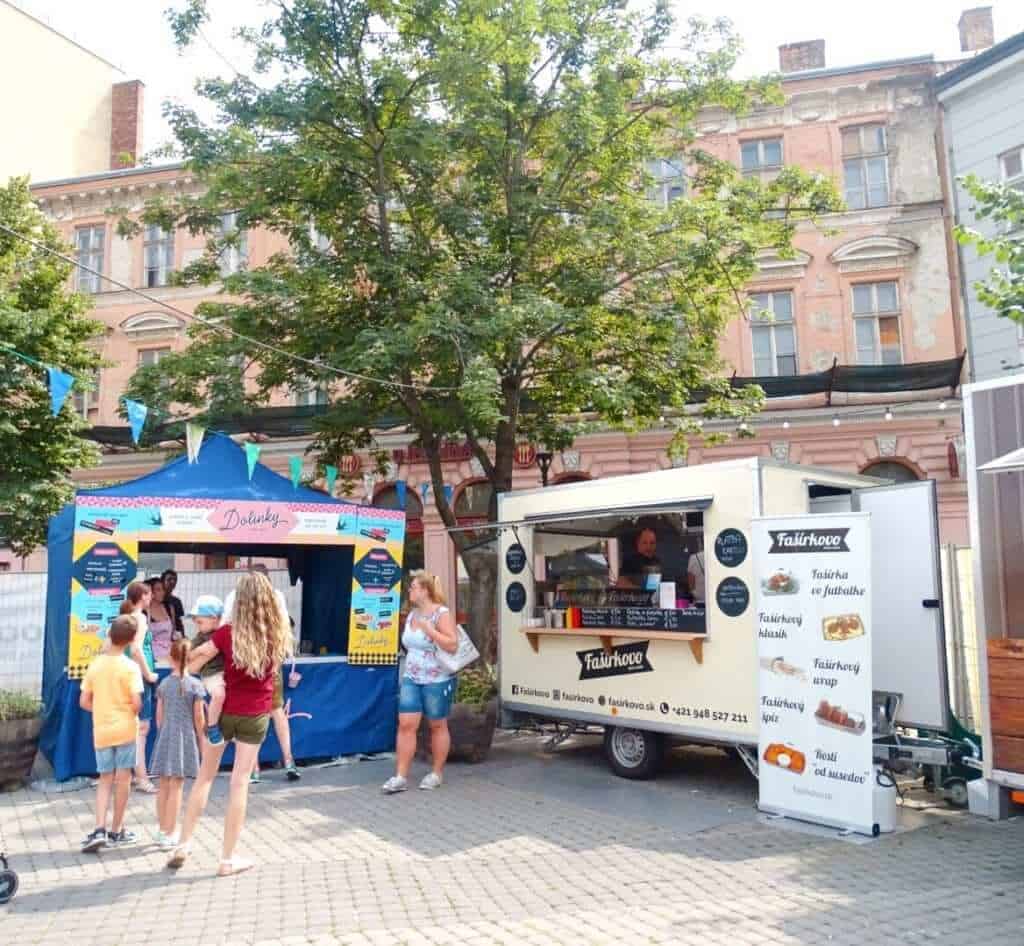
pixel 637 603
pixel 994 435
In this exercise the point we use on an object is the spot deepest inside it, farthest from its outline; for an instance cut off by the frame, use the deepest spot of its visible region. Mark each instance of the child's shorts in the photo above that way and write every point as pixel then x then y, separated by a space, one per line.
pixel 251 730
pixel 115 758
pixel 213 681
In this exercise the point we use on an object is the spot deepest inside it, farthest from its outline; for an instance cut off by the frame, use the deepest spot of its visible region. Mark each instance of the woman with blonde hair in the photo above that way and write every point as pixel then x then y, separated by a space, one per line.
pixel 254 646
pixel 427 688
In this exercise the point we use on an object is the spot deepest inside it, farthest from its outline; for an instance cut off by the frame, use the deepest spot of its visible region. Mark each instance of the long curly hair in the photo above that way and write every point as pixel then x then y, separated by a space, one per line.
pixel 261 637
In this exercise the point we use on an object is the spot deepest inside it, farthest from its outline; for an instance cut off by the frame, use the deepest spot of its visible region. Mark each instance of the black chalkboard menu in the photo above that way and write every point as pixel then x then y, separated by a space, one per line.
pixel 690 621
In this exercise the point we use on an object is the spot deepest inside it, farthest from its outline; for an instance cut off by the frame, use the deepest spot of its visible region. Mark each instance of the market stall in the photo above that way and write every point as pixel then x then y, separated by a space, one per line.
pixel 684 604
pixel 343 695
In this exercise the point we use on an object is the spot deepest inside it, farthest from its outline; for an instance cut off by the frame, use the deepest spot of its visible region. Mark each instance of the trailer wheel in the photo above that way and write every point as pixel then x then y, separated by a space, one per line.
pixel 633 753
pixel 8 885
pixel 956 792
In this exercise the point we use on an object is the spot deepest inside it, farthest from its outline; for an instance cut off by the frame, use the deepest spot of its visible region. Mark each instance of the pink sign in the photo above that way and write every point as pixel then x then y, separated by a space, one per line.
pixel 253 522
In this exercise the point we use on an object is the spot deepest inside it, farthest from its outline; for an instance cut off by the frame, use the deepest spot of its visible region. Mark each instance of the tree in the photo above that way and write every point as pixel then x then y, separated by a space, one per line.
pixel 464 192
pixel 1002 204
pixel 39 318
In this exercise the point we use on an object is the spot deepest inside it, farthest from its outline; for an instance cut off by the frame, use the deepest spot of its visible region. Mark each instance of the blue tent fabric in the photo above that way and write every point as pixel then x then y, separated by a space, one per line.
pixel 353 708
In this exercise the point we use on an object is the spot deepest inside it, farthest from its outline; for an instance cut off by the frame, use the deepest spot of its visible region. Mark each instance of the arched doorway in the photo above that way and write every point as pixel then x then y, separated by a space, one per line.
pixel 471 506
pixel 895 470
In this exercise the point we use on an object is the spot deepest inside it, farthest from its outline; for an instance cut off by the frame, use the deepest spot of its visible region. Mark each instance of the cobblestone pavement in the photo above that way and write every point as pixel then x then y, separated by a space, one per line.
pixel 531 847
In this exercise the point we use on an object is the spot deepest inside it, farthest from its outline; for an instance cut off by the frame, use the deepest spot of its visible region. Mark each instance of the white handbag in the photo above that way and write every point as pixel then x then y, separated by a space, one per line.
pixel 465 653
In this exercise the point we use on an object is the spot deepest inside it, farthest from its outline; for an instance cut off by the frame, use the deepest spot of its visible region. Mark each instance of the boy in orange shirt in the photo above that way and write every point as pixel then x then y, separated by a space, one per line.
pixel 112 692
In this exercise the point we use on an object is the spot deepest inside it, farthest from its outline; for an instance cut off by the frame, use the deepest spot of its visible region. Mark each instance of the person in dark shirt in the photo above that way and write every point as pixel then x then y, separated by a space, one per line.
pixel 173 603
pixel 641 561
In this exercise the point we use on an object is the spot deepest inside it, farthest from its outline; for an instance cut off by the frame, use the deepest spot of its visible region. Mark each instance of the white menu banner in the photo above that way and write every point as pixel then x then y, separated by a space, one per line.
pixel 814 650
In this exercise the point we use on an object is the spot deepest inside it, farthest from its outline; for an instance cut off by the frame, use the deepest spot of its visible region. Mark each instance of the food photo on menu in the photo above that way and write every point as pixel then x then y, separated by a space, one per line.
pixel 835 717
pixel 779 666
pixel 785 757
pixel 780 582
pixel 842 627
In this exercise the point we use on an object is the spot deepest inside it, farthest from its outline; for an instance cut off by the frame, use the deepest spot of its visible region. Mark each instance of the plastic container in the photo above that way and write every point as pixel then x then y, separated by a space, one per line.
pixel 884 800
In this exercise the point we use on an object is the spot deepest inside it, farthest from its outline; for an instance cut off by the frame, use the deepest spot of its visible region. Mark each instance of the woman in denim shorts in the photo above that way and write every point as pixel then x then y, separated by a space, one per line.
pixel 427 688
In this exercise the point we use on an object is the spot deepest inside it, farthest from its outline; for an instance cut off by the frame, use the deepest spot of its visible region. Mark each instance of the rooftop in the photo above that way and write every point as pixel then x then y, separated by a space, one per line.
pixel 109 175
pixel 981 62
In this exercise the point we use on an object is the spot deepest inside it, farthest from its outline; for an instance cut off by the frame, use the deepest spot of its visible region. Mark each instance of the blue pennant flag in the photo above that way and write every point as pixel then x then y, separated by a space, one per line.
pixel 424 491
pixel 136 417
pixel 295 466
pixel 60 385
pixel 330 478
pixel 449 491
pixel 400 488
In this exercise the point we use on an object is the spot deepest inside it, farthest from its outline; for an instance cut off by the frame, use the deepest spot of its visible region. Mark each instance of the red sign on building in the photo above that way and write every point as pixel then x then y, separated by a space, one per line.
pixel 525 455
pixel 350 464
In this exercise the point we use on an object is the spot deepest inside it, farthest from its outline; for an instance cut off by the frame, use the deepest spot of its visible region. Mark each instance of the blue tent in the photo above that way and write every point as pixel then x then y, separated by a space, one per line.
pixel 339 709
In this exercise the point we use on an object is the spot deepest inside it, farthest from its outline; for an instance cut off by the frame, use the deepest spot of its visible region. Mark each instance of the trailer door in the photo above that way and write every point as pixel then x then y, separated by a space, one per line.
pixel 909 646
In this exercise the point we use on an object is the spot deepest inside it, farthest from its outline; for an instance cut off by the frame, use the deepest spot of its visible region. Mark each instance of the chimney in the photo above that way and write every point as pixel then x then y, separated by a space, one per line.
pixel 126 124
pixel 798 57
pixel 976 30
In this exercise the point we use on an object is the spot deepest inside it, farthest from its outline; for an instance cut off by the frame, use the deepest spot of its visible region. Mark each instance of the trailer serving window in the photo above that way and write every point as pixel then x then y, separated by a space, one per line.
pixel 640 568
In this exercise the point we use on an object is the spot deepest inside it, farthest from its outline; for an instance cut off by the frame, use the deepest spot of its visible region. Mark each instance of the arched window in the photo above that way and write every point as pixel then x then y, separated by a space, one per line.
pixel 473 502
pixel 891 470
pixel 387 498
pixel 571 478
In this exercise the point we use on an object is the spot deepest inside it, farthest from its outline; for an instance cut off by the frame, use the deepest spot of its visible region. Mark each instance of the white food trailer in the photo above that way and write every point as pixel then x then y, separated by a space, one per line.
pixel 579 642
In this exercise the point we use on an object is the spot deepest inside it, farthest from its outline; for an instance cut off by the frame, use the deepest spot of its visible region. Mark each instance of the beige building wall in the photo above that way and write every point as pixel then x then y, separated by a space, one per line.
pixel 56 101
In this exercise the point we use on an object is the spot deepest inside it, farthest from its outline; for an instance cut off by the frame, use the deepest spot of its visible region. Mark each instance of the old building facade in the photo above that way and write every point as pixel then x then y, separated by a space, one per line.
pixel 874 285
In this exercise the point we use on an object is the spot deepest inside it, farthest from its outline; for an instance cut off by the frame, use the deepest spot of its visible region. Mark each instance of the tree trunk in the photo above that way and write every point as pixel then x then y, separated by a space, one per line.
pixel 482 567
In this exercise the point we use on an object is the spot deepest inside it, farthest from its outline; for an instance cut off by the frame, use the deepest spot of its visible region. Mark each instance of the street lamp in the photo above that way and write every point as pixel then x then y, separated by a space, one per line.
pixel 543 461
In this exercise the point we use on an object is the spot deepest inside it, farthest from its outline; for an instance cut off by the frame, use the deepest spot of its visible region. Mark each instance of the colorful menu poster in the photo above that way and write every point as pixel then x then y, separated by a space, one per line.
pixel 376 586
pixel 814 651
pixel 105 557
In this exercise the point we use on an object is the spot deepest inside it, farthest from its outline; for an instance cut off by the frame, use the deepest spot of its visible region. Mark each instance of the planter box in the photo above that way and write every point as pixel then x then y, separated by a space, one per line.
pixel 472 732
pixel 19 742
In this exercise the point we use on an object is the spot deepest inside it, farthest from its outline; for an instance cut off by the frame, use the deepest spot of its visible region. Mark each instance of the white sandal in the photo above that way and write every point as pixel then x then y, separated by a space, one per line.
pixel 236 865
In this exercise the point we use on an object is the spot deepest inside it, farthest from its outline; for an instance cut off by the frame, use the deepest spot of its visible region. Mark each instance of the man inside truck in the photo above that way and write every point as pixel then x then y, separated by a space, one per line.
pixel 642 561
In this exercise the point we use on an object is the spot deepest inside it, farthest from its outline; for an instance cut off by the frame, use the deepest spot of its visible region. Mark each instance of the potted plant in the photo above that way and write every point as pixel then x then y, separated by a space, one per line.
pixel 20 722
pixel 473 718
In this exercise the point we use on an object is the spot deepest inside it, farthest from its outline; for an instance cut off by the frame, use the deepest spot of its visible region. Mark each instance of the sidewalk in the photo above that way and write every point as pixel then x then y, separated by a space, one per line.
pixel 531 847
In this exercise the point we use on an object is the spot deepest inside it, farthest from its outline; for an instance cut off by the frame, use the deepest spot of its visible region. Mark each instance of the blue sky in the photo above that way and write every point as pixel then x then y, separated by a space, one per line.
pixel 135 35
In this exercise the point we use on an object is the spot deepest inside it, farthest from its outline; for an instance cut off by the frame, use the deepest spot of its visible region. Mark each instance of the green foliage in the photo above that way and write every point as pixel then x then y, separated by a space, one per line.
pixel 1004 206
pixel 477 685
pixel 42 319
pixel 16 704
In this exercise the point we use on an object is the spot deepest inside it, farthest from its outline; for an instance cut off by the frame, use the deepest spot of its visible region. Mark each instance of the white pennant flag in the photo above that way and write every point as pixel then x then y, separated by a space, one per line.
pixel 193 440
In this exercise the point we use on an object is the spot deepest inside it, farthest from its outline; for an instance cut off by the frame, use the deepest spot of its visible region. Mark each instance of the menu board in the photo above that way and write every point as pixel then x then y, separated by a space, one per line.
pixel 690 621
pixel 814 652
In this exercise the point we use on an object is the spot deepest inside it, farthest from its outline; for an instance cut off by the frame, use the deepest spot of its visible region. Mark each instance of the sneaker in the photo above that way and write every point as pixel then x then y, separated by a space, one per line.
pixel 293 773
pixel 254 779
pixel 167 842
pixel 214 735
pixel 394 785
pixel 95 841
pixel 430 781
pixel 121 838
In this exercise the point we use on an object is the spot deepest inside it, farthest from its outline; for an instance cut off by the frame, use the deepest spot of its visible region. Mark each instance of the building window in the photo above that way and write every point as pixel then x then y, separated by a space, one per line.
pixel 158 250
pixel 89 243
pixel 865 167
pixel 313 396
pixel 876 316
pixel 1011 167
pixel 761 157
pixel 152 356
pixel 87 398
pixel 890 470
pixel 666 180
pixel 772 332
pixel 234 257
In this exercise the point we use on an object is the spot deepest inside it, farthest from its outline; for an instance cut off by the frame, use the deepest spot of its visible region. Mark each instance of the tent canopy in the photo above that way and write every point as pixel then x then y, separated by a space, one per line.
pixel 220 473
pixel 1011 462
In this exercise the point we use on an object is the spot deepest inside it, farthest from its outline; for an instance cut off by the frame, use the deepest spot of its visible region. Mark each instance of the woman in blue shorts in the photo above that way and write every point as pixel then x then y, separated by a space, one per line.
pixel 427 688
